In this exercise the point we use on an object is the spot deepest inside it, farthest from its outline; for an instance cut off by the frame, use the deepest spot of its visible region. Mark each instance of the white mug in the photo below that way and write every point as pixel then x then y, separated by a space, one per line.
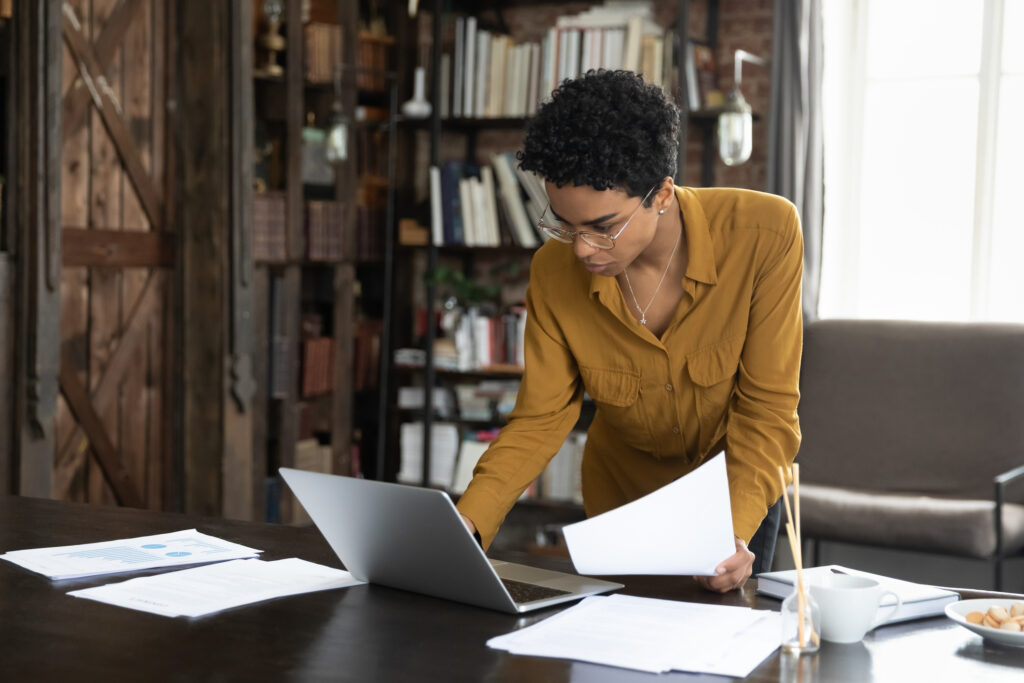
pixel 849 606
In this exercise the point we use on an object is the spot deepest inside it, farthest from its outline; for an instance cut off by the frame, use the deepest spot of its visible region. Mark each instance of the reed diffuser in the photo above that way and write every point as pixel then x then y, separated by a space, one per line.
pixel 801 617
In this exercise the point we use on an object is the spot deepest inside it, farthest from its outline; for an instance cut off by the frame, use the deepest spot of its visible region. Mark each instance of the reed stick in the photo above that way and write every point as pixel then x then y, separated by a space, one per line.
pixel 796 548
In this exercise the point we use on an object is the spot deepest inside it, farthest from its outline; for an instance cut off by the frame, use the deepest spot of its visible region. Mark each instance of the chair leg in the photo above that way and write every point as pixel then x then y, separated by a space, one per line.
pixel 816 551
pixel 998 571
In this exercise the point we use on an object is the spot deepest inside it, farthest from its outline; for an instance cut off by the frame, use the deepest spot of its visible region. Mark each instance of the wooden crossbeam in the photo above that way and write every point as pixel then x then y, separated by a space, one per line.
pixel 149 195
pixel 76 102
pixel 77 397
pixel 117 248
pixel 73 449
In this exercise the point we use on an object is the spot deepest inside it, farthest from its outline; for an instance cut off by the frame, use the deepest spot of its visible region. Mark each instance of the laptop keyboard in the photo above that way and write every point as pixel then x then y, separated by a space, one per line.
pixel 528 592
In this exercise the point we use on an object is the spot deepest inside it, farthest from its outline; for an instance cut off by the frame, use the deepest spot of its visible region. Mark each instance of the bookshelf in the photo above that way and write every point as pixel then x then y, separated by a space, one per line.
pixel 452 134
pixel 320 237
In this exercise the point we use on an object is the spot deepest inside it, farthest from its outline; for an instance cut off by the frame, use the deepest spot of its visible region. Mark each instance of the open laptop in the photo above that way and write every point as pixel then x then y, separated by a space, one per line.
pixel 414 539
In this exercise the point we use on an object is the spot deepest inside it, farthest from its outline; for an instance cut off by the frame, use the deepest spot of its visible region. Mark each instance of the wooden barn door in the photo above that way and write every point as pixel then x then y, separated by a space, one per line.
pixel 112 428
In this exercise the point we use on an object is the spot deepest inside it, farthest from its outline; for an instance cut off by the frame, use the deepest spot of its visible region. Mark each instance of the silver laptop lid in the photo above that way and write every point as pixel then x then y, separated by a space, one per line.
pixel 400 536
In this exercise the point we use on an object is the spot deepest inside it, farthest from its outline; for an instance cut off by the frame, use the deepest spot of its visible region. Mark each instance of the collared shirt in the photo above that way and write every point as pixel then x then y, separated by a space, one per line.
pixel 724 374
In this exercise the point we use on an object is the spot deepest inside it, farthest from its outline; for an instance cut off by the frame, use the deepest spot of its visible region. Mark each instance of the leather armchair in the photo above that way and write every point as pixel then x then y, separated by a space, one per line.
pixel 913 436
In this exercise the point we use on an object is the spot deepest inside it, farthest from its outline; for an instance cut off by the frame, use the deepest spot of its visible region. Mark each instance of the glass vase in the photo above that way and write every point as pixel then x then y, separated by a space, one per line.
pixel 801 623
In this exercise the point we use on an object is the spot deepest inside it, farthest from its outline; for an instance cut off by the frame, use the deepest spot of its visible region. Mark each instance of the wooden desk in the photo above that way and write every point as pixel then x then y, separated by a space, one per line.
pixel 368 633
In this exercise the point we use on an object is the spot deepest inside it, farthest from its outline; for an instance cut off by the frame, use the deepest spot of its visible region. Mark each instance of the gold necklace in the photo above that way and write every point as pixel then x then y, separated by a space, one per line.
pixel 625 271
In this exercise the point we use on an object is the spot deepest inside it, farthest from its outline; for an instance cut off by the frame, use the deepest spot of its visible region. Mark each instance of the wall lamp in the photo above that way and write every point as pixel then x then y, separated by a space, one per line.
pixel 735 122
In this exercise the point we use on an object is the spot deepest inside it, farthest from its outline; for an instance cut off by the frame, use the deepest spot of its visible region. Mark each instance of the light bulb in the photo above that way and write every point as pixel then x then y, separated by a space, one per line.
pixel 735 130
pixel 337 140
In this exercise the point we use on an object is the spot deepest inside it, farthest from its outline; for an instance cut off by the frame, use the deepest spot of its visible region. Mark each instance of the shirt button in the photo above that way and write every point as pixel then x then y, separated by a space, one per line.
pixel 675 430
pixel 669 387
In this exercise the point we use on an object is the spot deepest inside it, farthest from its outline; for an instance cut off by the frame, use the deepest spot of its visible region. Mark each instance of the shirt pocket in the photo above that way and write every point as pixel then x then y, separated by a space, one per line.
pixel 713 372
pixel 618 398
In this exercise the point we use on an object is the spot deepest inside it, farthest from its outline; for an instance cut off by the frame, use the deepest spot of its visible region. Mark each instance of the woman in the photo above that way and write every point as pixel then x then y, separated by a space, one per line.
pixel 676 309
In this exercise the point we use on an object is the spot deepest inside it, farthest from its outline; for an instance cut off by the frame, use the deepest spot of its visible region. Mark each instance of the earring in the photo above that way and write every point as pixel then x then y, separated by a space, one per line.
pixel 661 212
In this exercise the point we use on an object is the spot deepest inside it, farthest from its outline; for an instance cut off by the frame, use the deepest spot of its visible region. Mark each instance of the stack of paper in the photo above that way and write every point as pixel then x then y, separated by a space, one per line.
pixel 212 588
pixel 652 635
pixel 111 557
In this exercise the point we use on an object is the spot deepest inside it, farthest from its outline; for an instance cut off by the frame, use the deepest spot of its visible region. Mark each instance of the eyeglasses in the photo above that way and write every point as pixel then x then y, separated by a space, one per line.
pixel 595 239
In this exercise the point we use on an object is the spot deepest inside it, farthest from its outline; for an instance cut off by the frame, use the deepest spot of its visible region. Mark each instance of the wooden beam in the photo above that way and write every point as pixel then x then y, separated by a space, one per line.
pixel 113 121
pixel 117 248
pixel 243 474
pixel 106 455
pixel 7 319
pixel 202 152
pixel 77 99
pixel 35 199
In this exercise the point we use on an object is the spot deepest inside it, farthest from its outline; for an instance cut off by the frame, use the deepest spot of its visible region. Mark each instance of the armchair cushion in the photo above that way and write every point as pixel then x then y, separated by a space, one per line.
pixel 954 526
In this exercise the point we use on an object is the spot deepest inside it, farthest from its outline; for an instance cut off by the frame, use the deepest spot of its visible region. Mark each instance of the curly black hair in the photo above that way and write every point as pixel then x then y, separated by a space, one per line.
pixel 606 129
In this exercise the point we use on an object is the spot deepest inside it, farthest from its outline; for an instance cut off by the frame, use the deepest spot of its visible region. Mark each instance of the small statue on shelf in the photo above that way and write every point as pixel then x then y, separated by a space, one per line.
pixel 272 41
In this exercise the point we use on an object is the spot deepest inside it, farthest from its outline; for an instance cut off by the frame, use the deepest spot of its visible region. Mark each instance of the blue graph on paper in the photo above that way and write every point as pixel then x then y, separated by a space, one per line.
pixel 144 554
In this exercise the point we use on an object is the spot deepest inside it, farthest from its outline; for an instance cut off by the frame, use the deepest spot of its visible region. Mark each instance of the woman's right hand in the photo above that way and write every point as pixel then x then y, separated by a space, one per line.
pixel 469 523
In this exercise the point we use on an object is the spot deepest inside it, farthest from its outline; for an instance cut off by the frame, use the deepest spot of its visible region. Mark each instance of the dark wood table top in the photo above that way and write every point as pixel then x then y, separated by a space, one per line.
pixel 370 633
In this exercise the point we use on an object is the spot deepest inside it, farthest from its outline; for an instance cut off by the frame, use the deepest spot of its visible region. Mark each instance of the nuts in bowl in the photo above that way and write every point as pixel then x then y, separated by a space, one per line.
pixel 997 616
pixel 997 620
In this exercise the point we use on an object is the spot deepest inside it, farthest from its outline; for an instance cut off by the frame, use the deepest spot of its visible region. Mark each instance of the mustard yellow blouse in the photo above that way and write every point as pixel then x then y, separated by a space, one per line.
pixel 724 374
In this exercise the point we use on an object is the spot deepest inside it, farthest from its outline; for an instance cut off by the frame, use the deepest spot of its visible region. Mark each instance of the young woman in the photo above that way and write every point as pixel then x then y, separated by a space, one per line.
pixel 677 310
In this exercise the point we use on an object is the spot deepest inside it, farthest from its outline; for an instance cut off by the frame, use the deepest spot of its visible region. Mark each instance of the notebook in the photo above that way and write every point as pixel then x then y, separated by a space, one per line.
pixel 919 600
pixel 414 539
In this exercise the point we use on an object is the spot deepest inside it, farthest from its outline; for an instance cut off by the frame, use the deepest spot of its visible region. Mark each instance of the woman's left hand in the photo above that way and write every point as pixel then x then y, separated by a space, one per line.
pixel 731 573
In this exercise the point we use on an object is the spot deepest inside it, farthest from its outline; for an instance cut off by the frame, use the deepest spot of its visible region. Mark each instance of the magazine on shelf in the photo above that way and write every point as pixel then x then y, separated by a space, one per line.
pixel 919 600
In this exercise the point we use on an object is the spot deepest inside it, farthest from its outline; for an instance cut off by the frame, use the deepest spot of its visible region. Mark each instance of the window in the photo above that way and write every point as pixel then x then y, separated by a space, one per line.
pixel 923 160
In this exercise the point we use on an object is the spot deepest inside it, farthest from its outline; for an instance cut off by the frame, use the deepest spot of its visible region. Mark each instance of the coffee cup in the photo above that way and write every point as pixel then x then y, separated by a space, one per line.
pixel 850 606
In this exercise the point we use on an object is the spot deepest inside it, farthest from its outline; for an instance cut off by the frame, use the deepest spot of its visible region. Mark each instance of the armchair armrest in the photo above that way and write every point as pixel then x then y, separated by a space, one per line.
pixel 1000 483
pixel 1001 480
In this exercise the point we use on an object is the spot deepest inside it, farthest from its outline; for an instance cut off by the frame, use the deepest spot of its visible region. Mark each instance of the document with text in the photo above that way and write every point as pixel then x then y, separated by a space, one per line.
pixel 212 588
pixel 652 635
pixel 178 548
pixel 682 528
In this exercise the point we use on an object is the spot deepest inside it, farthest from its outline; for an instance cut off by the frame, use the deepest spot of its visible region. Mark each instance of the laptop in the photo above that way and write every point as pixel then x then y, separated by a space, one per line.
pixel 414 539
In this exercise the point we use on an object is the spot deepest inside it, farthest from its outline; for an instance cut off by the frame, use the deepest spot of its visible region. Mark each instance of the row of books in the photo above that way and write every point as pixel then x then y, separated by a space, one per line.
pixel 478 206
pixel 444 450
pixel 452 462
pixel 486 74
pixel 484 401
pixel 322 51
pixel 481 341
pixel 325 223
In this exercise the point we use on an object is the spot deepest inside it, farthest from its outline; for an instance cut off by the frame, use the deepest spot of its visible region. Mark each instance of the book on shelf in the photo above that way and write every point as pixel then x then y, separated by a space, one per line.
pixel 366 354
pixel 322 51
pixel 444 449
pixel 918 600
pixel 269 234
pixel 317 366
pixel 324 226
pixel 710 95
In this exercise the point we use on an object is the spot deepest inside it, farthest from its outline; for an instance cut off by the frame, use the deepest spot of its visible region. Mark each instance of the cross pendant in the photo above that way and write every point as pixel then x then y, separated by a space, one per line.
pixel 643 319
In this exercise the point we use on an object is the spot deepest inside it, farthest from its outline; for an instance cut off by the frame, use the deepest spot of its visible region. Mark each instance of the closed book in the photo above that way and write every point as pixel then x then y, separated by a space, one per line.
pixel 919 600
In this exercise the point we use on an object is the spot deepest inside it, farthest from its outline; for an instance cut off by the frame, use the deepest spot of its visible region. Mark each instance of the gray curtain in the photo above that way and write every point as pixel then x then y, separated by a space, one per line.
pixel 795 128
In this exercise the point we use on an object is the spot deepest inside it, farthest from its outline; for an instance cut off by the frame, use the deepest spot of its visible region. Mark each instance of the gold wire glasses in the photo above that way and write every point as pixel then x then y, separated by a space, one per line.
pixel 595 239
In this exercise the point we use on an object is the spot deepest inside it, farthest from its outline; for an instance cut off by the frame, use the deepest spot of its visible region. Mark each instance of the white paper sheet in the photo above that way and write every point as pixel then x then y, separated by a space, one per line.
pixel 212 588
pixel 682 528
pixel 652 635
pixel 132 554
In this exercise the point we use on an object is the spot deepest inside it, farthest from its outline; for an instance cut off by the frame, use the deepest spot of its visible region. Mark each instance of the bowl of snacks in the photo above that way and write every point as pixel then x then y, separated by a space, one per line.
pixel 998 620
